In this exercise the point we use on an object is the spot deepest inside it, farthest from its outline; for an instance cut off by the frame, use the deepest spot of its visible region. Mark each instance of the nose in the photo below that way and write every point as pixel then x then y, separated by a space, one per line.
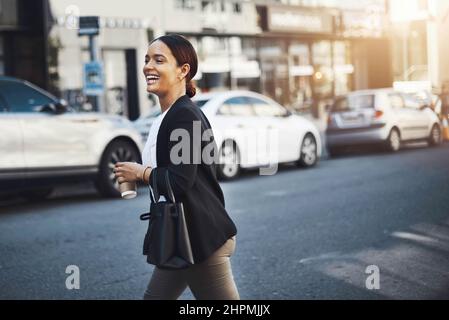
pixel 148 66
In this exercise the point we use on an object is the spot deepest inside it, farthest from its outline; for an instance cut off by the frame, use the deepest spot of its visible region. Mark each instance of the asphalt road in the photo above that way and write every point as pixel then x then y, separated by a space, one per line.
pixel 303 234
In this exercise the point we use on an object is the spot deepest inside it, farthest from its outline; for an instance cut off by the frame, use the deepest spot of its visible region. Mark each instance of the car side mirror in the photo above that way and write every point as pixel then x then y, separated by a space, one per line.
pixel 61 106
pixel 48 108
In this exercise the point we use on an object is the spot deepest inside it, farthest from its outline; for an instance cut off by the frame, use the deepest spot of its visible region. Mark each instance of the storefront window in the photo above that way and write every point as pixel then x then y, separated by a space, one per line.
pixel 227 63
pixel 214 63
pixel 410 52
pixel 115 82
pixel 274 65
pixel 301 72
pixel 250 66
pixel 343 69
pixel 323 74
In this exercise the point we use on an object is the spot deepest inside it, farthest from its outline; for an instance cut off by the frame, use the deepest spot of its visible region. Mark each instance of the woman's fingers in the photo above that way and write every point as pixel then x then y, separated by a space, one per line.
pixel 120 165
pixel 126 171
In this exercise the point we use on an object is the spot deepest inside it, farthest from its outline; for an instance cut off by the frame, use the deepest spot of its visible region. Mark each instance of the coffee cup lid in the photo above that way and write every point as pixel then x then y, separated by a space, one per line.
pixel 129 194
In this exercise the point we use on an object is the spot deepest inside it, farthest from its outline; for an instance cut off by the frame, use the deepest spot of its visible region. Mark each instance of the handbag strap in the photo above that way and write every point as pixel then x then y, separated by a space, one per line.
pixel 171 194
pixel 154 192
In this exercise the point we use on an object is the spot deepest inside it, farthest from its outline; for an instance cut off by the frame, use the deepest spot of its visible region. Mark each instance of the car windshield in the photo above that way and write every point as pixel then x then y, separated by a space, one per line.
pixel 351 103
pixel 201 103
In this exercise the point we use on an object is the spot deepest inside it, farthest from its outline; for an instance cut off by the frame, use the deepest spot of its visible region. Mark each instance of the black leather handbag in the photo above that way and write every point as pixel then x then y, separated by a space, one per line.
pixel 167 242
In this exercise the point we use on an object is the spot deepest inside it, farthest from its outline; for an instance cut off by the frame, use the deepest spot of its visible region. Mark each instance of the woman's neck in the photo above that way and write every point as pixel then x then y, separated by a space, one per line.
pixel 170 98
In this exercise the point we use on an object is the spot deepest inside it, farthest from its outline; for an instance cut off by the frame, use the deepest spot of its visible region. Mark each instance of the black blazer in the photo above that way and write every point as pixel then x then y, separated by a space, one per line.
pixel 195 185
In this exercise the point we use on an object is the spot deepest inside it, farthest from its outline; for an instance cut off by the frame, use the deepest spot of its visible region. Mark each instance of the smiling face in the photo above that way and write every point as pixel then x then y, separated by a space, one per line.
pixel 161 70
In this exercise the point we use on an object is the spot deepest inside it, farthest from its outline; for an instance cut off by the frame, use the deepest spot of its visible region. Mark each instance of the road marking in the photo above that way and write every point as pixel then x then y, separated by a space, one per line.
pixel 412 236
pixel 326 256
pixel 276 193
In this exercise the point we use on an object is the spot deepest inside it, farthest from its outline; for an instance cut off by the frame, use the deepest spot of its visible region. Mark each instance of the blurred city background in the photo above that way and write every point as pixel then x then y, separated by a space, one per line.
pixel 358 91
pixel 299 52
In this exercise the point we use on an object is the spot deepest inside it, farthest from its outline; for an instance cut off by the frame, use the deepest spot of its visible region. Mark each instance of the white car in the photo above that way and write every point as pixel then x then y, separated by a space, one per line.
pixel 381 116
pixel 43 142
pixel 252 131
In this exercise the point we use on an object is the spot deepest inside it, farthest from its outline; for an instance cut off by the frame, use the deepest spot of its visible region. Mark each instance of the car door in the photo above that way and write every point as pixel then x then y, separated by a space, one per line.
pixel 278 126
pixel 404 117
pixel 421 119
pixel 12 161
pixel 235 120
pixel 50 141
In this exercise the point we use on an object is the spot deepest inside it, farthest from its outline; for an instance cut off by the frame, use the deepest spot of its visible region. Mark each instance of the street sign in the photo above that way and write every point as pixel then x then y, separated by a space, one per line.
pixel 93 79
pixel 89 26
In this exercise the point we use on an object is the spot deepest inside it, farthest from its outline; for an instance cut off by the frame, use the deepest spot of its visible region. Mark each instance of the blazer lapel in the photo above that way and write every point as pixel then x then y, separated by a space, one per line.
pixel 163 135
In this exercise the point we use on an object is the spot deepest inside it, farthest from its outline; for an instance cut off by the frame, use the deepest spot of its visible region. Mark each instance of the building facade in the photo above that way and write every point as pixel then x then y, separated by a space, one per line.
pixel 317 50
pixel 420 48
pixel 24 26
pixel 300 53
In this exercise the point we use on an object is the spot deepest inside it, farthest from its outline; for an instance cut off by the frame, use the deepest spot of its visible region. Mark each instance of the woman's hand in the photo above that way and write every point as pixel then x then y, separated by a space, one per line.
pixel 128 171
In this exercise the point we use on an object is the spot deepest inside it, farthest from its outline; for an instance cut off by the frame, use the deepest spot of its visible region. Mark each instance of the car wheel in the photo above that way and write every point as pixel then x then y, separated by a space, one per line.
pixel 308 154
pixel 393 142
pixel 117 151
pixel 228 167
pixel 36 195
pixel 435 136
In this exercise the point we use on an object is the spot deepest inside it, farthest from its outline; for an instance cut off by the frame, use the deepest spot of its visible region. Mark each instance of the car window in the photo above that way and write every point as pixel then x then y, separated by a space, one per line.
pixel 265 109
pixel 411 102
pixel 21 97
pixel 352 103
pixel 201 103
pixel 396 101
pixel 237 106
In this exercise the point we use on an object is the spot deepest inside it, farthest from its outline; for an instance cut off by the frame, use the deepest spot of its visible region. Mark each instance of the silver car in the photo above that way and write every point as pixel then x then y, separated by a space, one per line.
pixel 43 142
pixel 381 116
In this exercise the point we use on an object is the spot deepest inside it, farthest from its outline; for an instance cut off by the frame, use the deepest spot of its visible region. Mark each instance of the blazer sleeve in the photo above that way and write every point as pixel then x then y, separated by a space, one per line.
pixel 186 156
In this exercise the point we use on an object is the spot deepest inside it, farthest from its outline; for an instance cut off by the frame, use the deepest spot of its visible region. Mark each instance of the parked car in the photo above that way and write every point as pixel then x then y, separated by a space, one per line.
pixel 44 143
pixel 383 116
pixel 250 128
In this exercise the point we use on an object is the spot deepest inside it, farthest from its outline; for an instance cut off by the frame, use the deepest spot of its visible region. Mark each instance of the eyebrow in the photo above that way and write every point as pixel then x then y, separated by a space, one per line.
pixel 156 56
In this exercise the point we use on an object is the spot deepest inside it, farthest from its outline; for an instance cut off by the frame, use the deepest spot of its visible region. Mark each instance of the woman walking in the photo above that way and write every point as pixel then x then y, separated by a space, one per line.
pixel 170 64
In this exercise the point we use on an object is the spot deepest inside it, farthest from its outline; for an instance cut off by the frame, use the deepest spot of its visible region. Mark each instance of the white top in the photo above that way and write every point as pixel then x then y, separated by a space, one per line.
pixel 149 151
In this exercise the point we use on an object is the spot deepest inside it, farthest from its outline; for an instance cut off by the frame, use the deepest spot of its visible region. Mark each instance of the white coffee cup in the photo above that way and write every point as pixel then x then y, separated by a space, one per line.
pixel 128 190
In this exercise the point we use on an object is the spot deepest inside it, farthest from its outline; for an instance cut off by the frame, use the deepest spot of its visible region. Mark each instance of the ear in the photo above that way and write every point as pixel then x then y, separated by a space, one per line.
pixel 185 69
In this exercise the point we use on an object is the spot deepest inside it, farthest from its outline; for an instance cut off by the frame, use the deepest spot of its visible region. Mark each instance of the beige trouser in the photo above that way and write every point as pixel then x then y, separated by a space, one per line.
pixel 209 280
